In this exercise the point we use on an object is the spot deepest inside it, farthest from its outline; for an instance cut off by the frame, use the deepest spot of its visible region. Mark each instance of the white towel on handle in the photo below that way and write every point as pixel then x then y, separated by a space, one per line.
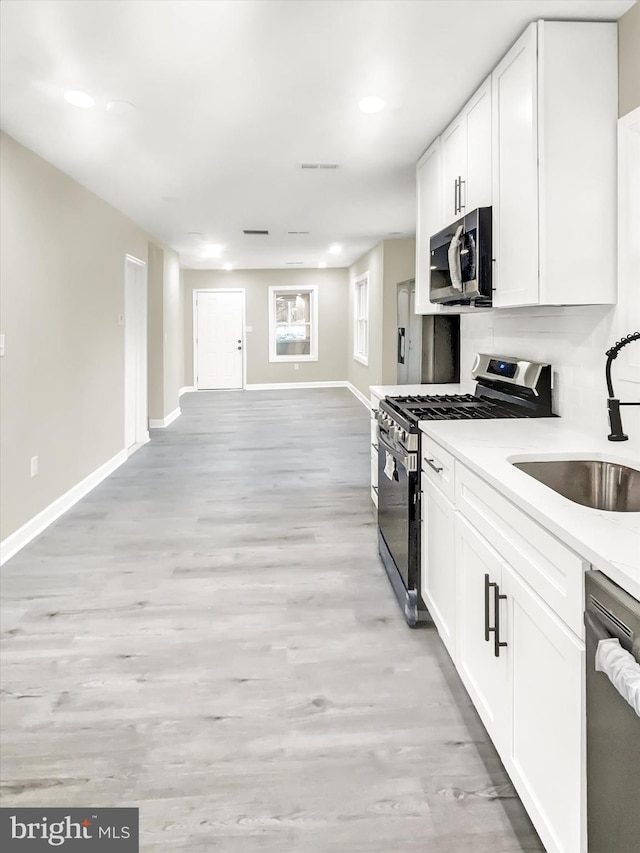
pixel 622 670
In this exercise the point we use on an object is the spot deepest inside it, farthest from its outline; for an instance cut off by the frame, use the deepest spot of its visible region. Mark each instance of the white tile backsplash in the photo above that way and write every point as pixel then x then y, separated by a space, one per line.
pixel 574 341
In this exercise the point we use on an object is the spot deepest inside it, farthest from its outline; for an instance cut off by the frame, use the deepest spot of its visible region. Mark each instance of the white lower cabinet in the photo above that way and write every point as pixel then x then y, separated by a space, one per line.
pixel 546 663
pixel 523 669
pixel 375 404
pixel 438 562
pixel 484 674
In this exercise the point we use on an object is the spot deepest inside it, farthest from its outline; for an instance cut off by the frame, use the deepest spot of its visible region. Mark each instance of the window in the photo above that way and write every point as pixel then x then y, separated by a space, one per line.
pixel 293 323
pixel 361 317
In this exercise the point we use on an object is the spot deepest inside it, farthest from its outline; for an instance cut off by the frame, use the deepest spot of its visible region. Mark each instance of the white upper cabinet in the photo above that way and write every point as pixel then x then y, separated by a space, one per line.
pixel 466 158
pixel 454 169
pixel 453 177
pixel 429 220
pixel 554 166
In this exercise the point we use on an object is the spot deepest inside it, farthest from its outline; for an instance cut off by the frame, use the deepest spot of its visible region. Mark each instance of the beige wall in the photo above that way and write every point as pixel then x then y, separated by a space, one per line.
pixel 155 348
pixel 165 341
pixel 62 290
pixel 629 61
pixel 360 375
pixel 173 326
pixel 332 321
pixel 388 263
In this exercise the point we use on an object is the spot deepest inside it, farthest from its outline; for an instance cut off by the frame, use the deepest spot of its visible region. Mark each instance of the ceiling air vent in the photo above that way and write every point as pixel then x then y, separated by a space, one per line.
pixel 297 232
pixel 318 165
pixel 294 263
pixel 252 231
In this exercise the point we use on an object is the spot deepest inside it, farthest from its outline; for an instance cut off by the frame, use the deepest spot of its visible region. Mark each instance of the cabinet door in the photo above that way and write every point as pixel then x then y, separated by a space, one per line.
pixel 438 562
pixel 484 675
pixel 544 755
pixel 428 222
pixel 515 174
pixel 454 167
pixel 476 190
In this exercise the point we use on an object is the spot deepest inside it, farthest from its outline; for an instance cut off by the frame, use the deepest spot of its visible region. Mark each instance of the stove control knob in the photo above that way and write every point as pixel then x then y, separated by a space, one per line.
pixel 403 436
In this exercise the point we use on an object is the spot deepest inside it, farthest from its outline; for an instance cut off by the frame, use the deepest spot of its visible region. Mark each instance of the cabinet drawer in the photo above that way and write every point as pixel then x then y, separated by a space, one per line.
pixel 548 566
pixel 438 466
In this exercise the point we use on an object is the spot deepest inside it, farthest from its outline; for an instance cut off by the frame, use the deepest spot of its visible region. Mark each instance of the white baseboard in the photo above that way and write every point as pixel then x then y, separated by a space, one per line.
pixel 359 395
pixel 161 423
pixel 21 537
pixel 131 450
pixel 186 389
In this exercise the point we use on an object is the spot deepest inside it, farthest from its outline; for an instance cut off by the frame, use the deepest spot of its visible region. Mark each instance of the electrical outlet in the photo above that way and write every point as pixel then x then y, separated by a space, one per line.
pixel 296 366
pixel 34 466
pixel 121 319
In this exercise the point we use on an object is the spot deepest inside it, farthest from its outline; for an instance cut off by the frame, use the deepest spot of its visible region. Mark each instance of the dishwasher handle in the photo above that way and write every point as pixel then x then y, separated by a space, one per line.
pixel 595 627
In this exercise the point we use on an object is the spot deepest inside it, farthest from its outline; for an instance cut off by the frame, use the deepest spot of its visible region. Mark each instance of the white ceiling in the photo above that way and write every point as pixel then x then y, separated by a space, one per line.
pixel 231 97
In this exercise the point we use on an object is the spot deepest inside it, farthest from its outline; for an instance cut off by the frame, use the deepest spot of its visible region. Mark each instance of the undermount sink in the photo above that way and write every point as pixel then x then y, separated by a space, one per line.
pixel 600 485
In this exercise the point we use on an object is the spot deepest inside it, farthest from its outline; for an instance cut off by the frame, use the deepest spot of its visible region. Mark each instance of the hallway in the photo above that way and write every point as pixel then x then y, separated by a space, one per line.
pixel 209 636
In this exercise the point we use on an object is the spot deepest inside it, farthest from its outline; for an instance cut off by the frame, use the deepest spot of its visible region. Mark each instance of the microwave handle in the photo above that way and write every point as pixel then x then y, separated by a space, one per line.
pixel 453 255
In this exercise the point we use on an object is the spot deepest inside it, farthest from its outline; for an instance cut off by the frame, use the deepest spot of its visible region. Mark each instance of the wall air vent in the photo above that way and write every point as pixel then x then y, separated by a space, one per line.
pixel 318 165
pixel 252 231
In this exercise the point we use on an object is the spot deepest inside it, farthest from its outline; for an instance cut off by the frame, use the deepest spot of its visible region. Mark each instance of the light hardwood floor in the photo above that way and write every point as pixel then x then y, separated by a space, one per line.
pixel 209 636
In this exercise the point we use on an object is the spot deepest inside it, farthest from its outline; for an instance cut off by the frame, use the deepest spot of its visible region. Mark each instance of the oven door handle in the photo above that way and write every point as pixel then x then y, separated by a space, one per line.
pixel 403 458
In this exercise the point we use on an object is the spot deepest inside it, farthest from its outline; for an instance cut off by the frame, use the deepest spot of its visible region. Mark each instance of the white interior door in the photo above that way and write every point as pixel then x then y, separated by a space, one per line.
pixel 135 352
pixel 219 339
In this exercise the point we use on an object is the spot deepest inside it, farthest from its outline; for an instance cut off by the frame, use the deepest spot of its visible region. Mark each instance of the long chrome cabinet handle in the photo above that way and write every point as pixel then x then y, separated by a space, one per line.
pixel 461 183
pixel 434 467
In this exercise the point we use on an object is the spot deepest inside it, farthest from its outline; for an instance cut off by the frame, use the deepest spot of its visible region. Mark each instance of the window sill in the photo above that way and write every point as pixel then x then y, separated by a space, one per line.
pixel 292 358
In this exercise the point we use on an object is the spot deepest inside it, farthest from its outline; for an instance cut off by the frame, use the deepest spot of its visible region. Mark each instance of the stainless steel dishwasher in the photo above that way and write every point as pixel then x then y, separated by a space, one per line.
pixel 613 726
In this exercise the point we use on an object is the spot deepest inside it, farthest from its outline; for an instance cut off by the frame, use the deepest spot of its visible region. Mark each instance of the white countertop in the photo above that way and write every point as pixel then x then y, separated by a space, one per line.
pixel 610 541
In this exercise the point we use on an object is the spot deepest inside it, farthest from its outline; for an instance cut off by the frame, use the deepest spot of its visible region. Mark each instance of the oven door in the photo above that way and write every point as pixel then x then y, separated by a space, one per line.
pixel 397 496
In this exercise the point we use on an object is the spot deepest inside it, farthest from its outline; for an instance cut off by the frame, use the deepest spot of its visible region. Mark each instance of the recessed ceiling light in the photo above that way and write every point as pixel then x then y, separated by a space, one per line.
pixel 322 265
pixel 371 104
pixel 228 267
pixel 211 250
pixel 79 99
pixel 121 107
pixel 196 234
pixel 335 249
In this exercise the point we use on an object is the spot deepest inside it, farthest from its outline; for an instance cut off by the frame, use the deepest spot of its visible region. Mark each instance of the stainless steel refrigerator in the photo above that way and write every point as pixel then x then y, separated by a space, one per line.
pixel 428 348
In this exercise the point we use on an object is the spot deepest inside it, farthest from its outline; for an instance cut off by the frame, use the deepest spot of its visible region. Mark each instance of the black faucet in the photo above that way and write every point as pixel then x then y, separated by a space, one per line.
pixel 613 404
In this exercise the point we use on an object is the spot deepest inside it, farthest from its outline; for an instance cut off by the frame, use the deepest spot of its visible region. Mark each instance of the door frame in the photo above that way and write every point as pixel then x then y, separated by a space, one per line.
pixel 194 335
pixel 142 437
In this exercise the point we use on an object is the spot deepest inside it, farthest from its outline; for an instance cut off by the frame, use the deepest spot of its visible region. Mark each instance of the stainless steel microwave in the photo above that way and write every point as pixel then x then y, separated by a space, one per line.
pixel 460 264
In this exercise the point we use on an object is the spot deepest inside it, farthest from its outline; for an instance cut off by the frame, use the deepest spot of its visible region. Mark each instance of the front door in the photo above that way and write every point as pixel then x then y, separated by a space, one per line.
pixel 219 339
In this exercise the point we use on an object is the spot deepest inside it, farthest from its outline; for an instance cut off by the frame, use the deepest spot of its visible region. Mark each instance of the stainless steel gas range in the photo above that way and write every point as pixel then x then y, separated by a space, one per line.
pixel 506 387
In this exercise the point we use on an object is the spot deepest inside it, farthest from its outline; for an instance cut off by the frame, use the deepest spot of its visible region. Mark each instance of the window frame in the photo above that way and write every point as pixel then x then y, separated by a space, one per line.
pixel 361 354
pixel 312 290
